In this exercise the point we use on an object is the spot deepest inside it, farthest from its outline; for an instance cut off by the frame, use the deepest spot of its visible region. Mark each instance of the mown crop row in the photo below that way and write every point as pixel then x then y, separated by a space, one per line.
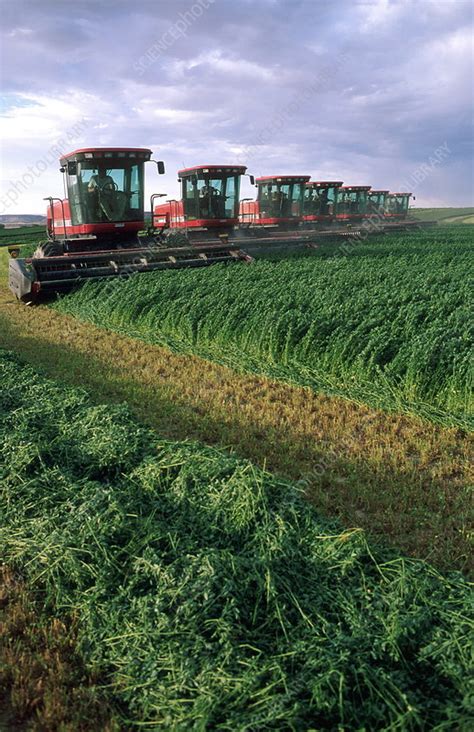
pixel 208 592
pixel 388 324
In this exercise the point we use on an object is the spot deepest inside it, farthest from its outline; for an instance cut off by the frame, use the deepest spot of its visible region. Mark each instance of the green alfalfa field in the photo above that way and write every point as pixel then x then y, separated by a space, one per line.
pixel 343 632
pixel 387 322
pixel 452 215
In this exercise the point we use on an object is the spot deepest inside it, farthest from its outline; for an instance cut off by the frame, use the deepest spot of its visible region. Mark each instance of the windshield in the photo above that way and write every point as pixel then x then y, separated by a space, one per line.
pixel 320 201
pixel 281 200
pixel 206 197
pixel 105 191
pixel 352 202
pixel 376 202
pixel 397 204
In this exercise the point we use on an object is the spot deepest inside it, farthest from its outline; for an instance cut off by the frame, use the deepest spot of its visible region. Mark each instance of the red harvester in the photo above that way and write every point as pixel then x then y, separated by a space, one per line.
pixel 94 231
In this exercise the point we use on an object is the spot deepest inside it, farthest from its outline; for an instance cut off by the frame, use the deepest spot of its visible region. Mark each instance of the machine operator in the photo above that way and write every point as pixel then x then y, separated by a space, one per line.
pixel 101 190
pixel 101 181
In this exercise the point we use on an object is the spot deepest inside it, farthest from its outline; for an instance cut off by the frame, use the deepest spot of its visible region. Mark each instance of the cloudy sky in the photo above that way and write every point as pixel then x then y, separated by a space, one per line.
pixel 375 92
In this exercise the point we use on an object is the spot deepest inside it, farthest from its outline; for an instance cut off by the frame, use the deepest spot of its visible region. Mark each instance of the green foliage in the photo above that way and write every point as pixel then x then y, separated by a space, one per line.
pixel 454 215
pixel 22 235
pixel 387 324
pixel 209 591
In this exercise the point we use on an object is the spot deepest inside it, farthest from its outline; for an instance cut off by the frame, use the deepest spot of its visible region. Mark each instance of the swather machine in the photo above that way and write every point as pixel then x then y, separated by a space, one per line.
pixel 279 203
pixel 95 231
pixel 210 210
pixel 209 205
pixel 320 202
pixel 352 204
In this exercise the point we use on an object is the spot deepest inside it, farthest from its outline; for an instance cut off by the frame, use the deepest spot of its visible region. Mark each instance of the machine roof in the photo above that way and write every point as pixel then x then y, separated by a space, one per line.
pixel 355 188
pixel 401 194
pixel 83 150
pixel 282 178
pixel 376 190
pixel 237 168
pixel 324 183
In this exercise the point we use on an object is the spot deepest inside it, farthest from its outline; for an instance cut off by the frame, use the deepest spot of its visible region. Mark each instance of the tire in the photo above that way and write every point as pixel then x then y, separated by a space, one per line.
pixel 49 249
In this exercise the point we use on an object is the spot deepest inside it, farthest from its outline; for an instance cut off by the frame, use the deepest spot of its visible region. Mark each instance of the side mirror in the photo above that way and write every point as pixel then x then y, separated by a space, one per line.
pixel 161 167
pixel 252 180
pixel 62 169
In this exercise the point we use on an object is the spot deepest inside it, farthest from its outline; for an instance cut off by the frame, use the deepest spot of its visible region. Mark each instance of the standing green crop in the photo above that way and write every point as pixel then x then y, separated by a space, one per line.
pixel 389 325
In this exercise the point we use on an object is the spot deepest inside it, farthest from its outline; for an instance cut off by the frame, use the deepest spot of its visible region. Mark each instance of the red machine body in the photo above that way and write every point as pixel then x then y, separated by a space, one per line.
pixel 320 201
pixel 210 199
pixel 279 202
pixel 59 224
pixel 352 203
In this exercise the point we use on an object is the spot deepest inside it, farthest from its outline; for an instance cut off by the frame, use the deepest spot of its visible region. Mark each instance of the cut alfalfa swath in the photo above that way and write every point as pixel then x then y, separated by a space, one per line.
pixel 208 592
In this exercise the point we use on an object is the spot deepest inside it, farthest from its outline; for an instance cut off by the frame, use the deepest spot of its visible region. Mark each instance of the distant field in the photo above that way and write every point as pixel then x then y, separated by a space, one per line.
pixel 21 235
pixel 446 215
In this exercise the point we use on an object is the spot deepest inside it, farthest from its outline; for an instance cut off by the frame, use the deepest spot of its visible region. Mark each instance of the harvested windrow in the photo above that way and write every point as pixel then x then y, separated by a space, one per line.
pixel 208 592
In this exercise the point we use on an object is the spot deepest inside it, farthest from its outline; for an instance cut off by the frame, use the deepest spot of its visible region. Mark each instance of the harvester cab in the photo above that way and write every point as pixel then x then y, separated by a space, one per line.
pixel 396 207
pixel 352 203
pixel 94 231
pixel 320 201
pixel 105 199
pixel 209 202
pixel 279 202
pixel 376 201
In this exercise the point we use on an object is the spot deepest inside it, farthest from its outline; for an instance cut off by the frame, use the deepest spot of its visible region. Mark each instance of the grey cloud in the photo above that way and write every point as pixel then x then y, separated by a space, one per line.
pixel 402 89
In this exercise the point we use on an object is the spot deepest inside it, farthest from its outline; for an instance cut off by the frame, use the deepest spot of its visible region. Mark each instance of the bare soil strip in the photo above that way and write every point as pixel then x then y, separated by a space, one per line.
pixel 43 683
